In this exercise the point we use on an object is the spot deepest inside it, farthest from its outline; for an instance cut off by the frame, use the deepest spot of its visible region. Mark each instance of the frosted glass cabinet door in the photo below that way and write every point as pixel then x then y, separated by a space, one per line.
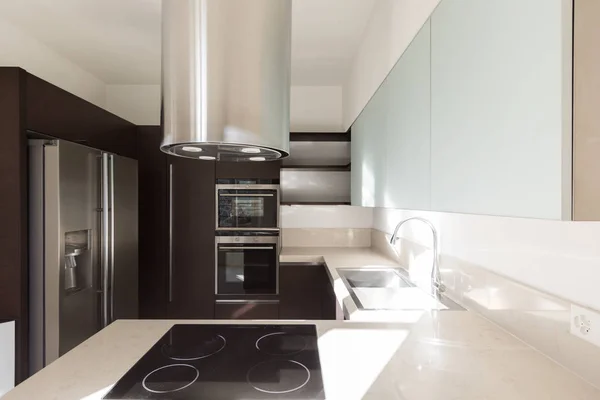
pixel 356 159
pixel 500 133
pixel 408 127
pixel 368 153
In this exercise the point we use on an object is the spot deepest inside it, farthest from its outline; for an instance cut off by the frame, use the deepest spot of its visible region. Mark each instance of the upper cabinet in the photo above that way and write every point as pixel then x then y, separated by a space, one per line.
pixel 407 140
pixel 476 115
pixel 501 108
pixel 391 137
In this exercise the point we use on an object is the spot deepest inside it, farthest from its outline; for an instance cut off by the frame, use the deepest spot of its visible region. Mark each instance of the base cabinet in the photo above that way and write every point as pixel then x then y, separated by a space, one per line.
pixel 305 292
pixel 329 302
pixel 249 310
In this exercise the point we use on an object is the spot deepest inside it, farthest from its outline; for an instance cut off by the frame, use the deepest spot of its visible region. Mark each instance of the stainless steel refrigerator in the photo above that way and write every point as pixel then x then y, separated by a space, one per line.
pixel 83 245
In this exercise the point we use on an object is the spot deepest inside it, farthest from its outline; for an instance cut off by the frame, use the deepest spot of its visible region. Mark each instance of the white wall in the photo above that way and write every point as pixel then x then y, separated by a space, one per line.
pixel 18 49
pixel 316 109
pixel 391 28
pixel 559 257
pixel 139 104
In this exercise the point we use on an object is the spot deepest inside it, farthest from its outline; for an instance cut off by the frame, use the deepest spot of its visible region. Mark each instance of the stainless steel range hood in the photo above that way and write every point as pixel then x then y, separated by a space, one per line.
pixel 226 79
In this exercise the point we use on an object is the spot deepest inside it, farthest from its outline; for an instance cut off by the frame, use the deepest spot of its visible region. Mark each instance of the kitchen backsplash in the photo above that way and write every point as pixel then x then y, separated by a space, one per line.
pixel 326 226
pixel 326 216
pixel 326 237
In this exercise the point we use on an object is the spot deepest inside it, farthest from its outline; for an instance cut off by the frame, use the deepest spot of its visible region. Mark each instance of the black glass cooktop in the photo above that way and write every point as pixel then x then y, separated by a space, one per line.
pixel 227 362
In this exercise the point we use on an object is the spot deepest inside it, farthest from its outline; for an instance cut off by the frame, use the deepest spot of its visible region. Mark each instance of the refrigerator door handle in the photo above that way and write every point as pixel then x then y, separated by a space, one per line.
pixel 111 209
pixel 170 232
pixel 104 248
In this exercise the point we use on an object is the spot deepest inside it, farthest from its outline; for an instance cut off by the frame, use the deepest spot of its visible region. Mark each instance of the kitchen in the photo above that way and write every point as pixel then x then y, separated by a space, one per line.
pixel 437 111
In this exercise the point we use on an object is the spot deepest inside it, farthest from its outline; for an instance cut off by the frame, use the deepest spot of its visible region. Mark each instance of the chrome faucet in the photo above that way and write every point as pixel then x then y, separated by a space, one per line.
pixel 436 278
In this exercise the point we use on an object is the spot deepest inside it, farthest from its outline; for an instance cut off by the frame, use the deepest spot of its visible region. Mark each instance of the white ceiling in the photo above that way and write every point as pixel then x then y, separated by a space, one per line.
pixel 118 41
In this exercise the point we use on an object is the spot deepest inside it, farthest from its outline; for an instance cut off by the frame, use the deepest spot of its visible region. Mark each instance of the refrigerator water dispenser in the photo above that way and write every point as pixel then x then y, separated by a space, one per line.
pixel 78 262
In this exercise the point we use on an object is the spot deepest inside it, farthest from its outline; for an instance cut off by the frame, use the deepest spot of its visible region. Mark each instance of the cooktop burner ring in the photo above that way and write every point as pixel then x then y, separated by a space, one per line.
pixel 277 391
pixel 224 343
pixel 268 335
pixel 171 390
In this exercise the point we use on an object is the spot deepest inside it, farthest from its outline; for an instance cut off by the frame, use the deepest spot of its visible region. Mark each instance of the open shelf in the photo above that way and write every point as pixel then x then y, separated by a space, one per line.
pixel 345 203
pixel 320 136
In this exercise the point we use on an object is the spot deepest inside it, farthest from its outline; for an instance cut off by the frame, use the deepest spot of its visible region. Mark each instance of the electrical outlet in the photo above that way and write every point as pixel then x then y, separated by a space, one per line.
pixel 585 324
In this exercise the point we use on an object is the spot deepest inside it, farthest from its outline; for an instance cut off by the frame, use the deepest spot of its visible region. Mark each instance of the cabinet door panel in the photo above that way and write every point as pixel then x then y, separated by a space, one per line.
pixel 303 292
pixel 391 137
pixel 153 224
pixel 192 271
pixel 368 153
pixel 501 103
pixel 407 139
pixel 329 302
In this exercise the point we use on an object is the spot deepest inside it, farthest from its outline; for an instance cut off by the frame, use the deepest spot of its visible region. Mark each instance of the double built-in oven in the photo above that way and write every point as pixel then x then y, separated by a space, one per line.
pixel 247 239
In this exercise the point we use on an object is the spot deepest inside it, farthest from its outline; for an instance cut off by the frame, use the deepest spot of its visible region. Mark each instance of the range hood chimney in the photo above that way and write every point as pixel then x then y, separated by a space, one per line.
pixel 226 79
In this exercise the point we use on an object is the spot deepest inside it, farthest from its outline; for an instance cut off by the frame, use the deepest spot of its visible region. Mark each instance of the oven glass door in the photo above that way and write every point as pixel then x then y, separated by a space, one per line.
pixel 247 268
pixel 247 208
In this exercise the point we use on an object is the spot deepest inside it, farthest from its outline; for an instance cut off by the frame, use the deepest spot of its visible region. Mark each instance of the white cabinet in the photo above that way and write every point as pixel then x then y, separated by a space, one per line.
pixel 390 138
pixel 368 153
pixel 500 80
pixel 476 115
pixel 407 140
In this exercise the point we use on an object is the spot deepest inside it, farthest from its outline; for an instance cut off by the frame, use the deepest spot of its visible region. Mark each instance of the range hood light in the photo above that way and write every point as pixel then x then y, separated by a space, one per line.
pixel 251 150
pixel 210 158
pixel 191 149
pixel 257 159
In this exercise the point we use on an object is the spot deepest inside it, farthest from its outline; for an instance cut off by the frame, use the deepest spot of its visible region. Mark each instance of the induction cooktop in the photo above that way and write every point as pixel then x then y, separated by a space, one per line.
pixel 227 362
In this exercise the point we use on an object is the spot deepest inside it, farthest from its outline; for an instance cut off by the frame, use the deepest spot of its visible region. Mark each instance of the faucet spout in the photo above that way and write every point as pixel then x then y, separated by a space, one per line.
pixel 436 278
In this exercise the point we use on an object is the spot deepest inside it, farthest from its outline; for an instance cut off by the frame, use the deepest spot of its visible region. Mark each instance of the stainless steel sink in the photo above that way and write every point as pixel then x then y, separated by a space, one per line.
pixel 373 278
pixel 385 289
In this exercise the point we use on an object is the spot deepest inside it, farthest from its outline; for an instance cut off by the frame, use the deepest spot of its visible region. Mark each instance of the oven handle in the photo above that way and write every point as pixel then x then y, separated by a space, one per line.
pixel 247 248
pixel 247 195
pixel 244 301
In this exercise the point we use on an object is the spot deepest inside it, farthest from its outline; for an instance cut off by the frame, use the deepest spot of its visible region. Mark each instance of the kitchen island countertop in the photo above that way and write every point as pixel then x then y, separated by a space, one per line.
pixel 440 355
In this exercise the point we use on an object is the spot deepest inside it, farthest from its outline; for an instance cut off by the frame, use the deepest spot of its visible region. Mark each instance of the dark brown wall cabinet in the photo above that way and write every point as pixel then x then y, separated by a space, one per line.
pixel 305 292
pixel 252 310
pixel 55 112
pixel 264 170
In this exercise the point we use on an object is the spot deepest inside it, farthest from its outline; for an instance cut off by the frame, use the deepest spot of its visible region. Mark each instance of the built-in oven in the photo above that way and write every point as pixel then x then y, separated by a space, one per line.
pixel 247 204
pixel 247 263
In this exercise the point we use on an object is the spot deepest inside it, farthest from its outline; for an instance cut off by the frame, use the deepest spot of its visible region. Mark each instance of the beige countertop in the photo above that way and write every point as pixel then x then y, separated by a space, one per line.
pixel 443 355
pixel 428 355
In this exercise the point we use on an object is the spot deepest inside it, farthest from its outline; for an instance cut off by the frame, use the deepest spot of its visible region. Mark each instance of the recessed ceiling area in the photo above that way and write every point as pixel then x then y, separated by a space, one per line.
pixel 118 41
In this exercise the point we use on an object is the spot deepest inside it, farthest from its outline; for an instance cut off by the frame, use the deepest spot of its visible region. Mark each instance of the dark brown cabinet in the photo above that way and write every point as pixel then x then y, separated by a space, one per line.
pixel 329 303
pixel 191 255
pixel 250 310
pixel 262 170
pixel 55 112
pixel 304 292
pixel 153 223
